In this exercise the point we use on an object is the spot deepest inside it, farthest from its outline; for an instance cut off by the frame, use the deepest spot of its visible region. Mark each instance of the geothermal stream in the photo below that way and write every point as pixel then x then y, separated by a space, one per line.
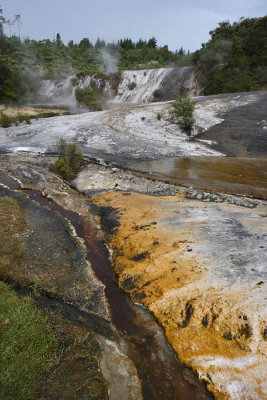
pixel 231 175
pixel 160 373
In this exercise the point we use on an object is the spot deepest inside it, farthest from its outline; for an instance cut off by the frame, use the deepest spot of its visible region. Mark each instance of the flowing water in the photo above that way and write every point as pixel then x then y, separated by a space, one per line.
pixel 233 175
pixel 160 373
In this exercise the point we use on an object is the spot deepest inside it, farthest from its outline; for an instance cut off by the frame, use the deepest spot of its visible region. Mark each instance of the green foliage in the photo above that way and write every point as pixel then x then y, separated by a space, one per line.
pixel 6 121
pixel 70 160
pixel 235 58
pixel 27 346
pixel 90 97
pixel 132 86
pixel 23 64
pixel 96 74
pixel 158 116
pixel 158 95
pixel 183 112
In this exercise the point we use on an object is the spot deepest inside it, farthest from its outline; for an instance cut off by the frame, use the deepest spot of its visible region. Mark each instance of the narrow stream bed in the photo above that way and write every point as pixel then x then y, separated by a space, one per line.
pixel 161 374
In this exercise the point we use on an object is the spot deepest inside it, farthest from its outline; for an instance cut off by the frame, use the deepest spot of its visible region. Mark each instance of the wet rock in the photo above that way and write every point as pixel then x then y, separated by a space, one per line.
pixel 95 178
pixel 55 260
pixel 219 198
pixel 123 381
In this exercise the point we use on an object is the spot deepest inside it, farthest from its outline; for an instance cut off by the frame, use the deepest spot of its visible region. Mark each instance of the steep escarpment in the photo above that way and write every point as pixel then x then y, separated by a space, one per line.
pixel 136 86
pixel 199 267
pixel 162 84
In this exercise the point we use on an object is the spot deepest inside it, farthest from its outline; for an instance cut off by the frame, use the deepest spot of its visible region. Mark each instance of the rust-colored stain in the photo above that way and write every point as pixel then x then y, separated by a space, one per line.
pixel 155 266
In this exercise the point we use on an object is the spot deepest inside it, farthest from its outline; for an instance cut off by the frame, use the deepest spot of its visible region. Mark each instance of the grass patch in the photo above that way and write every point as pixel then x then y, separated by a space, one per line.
pixel 32 341
pixel 6 120
pixel 14 116
pixel 27 346
pixel 12 257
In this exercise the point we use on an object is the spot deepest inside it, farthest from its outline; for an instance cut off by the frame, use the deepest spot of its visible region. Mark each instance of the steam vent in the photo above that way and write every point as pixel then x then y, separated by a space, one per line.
pixel 133 217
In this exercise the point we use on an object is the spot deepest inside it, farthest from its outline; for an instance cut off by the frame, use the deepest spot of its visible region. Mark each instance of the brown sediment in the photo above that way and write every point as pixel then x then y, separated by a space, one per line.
pixel 233 175
pixel 210 328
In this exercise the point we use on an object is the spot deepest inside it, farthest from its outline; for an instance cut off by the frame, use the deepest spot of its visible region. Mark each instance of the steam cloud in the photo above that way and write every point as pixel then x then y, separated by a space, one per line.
pixel 109 63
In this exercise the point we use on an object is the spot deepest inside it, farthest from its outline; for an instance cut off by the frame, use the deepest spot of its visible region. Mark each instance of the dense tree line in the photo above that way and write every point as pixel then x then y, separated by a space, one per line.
pixel 235 58
pixel 24 63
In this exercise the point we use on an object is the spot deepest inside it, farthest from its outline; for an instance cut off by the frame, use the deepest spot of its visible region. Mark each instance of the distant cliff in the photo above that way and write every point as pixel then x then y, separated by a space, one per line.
pixel 141 86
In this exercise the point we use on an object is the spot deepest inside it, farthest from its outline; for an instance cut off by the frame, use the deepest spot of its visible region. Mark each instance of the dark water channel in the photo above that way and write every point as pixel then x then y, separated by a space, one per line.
pixel 233 175
pixel 161 374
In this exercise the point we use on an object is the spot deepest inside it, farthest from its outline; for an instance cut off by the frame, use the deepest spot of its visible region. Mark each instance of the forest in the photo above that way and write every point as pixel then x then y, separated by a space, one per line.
pixel 233 60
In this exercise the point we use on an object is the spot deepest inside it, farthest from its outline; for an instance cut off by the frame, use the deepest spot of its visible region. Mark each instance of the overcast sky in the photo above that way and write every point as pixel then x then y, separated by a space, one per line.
pixel 173 22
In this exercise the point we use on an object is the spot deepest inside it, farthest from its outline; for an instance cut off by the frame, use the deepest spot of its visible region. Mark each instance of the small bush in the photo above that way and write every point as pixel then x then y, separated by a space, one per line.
pixel 183 112
pixel 143 118
pixel 132 86
pixel 158 95
pixel 90 97
pixel 21 118
pixel 159 116
pixel 6 121
pixel 70 160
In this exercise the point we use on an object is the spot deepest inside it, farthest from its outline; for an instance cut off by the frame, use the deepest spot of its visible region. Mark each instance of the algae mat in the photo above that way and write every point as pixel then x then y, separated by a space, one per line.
pixel 199 267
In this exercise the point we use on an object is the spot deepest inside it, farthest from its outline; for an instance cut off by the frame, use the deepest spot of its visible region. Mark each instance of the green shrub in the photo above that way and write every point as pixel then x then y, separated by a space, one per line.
pixel 132 86
pixel 21 118
pixel 159 116
pixel 6 121
pixel 158 95
pixel 90 97
pixel 183 112
pixel 70 160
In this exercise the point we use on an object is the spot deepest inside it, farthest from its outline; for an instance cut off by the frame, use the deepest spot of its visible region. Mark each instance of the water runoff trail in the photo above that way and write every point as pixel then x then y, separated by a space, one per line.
pixel 162 376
